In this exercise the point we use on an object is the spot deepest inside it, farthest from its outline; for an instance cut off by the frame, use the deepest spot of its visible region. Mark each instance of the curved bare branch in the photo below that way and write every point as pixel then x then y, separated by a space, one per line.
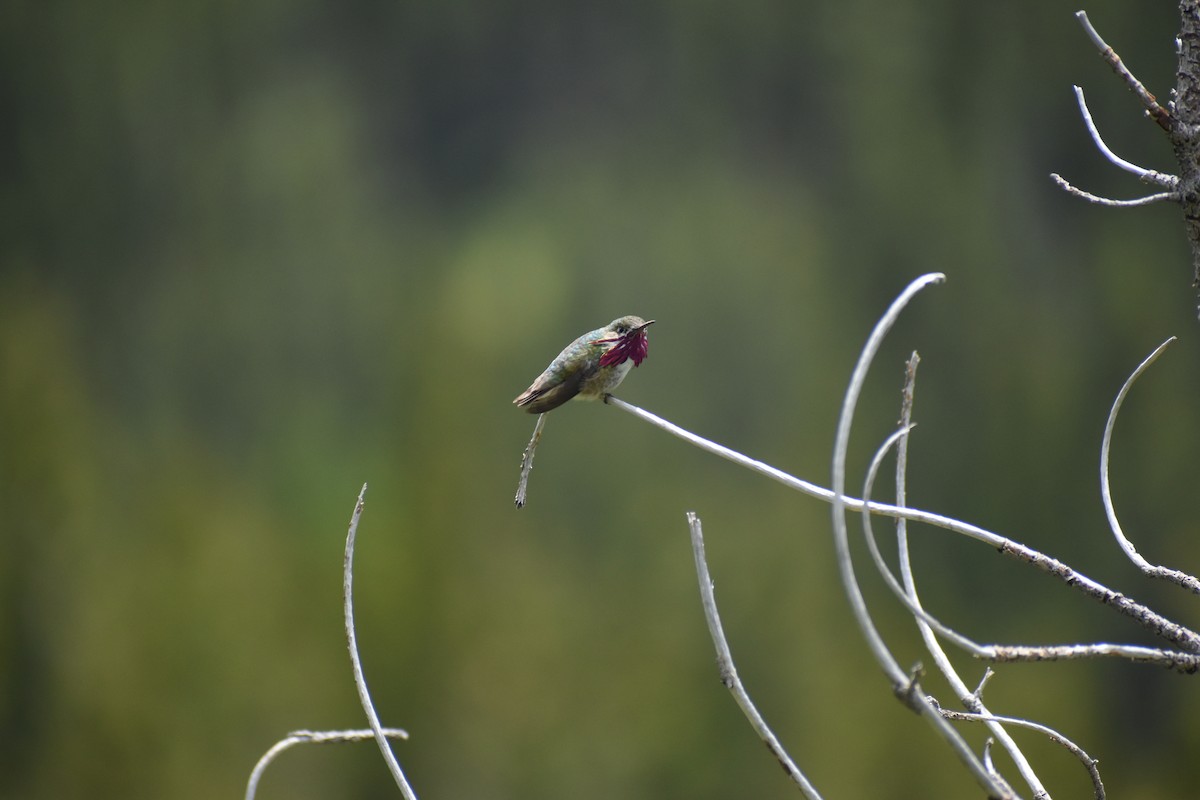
pixel 1108 201
pixel 1088 762
pixel 1175 576
pixel 1147 175
pixel 360 682
pixel 901 681
pixel 311 737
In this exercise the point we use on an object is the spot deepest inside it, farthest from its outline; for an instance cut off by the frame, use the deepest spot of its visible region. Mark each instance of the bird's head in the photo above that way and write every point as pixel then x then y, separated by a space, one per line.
pixel 627 337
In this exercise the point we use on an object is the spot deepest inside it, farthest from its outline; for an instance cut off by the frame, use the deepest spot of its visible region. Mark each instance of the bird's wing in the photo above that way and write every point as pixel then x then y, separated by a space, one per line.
pixel 544 395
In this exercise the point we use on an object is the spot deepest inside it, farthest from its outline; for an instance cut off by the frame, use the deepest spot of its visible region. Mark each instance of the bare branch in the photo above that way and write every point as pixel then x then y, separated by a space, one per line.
pixel 920 701
pixel 841 445
pixel 929 625
pixel 311 737
pixel 1179 121
pixel 1170 182
pixel 925 623
pixel 728 671
pixel 1156 112
pixel 1063 184
pixel 1183 579
pixel 1146 175
pixel 908 598
pixel 988 674
pixel 527 460
pixel 1157 624
pixel 360 682
pixel 1187 663
pixel 1088 762
pixel 995 773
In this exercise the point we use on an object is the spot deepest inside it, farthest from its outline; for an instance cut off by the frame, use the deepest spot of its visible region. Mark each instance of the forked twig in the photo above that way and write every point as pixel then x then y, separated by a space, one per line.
pixel 971 699
pixel 906 685
pixel 907 594
pixel 1170 182
pixel 377 731
pixel 1146 175
pixel 1088 762
pixel 1177 120
pixel 1165 119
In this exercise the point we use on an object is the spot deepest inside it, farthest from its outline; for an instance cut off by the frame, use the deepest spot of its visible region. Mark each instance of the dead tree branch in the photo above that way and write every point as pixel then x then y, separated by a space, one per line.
pixel 1183 579
pixel 727 670
pixel 1179 120
pixel 360 682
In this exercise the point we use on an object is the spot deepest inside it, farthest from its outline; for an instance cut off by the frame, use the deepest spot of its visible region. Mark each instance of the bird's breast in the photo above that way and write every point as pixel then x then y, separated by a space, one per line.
pixel 604 380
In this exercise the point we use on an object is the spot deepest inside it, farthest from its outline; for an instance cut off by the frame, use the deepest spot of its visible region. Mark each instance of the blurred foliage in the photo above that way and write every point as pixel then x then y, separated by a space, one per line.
pixel 253 254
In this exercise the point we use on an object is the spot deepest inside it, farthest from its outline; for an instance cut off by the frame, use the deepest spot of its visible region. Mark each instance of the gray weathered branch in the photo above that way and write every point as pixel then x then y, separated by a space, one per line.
pixel 1179 120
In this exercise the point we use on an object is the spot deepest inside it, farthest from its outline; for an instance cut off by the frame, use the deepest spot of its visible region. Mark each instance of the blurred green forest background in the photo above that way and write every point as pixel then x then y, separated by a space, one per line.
pixel 254 254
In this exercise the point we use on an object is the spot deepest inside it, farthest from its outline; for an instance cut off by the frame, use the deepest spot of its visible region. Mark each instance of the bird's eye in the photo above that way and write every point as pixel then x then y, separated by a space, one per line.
pixel 621 329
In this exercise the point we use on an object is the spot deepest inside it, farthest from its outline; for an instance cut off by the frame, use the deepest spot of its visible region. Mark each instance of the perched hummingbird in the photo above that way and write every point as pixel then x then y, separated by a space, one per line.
pixel 589 367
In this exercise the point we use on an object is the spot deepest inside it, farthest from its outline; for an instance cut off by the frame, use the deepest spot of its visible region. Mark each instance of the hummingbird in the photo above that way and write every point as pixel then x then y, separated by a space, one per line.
pixel 589 367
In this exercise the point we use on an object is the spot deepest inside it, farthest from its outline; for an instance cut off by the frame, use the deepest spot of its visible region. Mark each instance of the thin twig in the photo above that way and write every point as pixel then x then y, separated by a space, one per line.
pixel 1149 101
pixel 311 737
pixel 907 597
pixel 1183 579
pixel 991 767
pixel 1062 182
pixel 907 593
pixel 728 672
pixel 1088 762
pixel 360 682
pixel 527 460
pixel 988 674
pixel 920 701
pixel 926 626
pixel 1146 175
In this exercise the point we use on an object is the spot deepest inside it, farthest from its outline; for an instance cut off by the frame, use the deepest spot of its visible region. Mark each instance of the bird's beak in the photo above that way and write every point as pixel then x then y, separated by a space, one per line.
pixel 645 325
